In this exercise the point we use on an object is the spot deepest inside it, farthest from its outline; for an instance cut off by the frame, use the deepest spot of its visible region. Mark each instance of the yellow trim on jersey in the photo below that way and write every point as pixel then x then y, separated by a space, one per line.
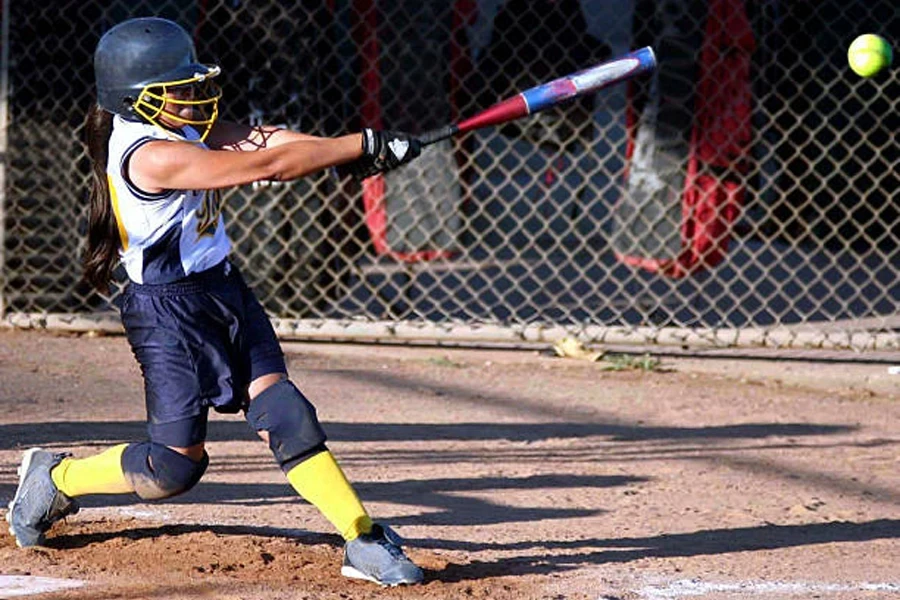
pixel 114 199
pixel 208 212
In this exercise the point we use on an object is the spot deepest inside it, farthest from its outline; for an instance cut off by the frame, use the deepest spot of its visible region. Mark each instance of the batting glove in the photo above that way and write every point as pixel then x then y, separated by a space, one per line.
pixel 361 168
pixel 383 151
pixel 389 149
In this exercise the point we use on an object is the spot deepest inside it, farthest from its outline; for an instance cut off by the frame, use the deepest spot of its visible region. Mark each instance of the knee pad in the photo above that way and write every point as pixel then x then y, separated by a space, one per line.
pixel 291 422
pixel 156 471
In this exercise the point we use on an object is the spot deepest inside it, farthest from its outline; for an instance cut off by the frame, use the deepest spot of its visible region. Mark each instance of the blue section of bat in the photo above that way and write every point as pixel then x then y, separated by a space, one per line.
pixel 592 79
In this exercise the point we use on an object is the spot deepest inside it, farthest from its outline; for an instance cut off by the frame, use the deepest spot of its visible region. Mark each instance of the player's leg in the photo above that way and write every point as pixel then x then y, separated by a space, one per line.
pixel 126 468
pixel 172 349
pixel 288 422
pixel 150 469
pixel 170 463
pixel 49 482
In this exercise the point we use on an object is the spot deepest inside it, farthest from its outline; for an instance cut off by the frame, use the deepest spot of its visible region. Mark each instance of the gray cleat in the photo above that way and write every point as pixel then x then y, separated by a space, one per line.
pixel 377 557
pixel 37 504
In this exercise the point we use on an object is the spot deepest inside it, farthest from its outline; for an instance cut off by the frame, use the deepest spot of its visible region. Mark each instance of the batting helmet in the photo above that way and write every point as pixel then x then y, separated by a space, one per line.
pixel 142 66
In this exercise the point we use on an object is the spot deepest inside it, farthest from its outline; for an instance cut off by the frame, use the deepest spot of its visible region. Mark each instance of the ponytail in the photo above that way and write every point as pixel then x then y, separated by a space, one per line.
pixel 102 252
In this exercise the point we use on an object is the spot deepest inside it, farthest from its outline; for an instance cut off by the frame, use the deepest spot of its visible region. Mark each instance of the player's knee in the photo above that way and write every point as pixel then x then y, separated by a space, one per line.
pixel 290 420
pixel 156 471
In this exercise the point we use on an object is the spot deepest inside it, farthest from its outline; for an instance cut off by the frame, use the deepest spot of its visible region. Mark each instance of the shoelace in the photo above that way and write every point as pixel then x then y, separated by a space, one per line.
pixel 394 550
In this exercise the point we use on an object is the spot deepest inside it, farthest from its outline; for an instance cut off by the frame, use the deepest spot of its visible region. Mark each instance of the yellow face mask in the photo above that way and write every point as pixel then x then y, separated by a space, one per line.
pixel 197 93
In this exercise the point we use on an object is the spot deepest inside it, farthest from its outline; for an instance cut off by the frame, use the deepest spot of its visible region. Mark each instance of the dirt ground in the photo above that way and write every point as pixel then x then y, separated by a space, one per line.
pixel 512 475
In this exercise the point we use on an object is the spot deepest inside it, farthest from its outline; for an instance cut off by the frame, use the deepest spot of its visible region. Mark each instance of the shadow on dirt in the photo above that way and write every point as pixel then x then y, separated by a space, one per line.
pixel 80 540
pixel 460 501
pixel 443 500
pixel 546 560
pixel 24 435
pixel 623 550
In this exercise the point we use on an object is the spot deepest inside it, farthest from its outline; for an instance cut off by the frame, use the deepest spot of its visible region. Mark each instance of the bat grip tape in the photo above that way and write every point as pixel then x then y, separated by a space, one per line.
pixel 436 135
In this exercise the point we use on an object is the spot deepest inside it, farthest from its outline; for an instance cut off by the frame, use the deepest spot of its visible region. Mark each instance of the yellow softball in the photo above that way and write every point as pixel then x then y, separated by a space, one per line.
pixel 869 54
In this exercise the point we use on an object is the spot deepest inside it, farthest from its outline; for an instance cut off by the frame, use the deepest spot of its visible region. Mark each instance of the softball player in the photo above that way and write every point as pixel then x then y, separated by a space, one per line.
pixel 160 157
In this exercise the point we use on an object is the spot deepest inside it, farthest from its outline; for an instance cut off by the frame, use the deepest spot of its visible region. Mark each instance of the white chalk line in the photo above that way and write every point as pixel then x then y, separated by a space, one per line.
pixel 693 588
pixel 12 586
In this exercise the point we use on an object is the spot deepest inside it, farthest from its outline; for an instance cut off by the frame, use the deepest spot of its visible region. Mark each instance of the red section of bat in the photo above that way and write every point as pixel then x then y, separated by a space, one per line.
pixel 512 108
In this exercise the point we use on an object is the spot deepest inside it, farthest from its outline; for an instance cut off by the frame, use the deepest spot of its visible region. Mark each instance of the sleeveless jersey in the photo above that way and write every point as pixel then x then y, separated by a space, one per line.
pixel 167 235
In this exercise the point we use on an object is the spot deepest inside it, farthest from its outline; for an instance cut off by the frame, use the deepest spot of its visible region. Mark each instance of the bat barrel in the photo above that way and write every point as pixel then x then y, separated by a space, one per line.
pixel 590 80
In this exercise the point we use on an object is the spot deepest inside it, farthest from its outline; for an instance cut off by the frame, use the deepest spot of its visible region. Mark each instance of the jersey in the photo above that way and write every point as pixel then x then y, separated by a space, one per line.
pixel 168 235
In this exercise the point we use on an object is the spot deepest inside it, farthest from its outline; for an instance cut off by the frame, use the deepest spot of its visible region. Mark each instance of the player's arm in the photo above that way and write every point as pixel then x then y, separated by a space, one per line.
pixel 167 165
pixel 172 165
pixel 247 138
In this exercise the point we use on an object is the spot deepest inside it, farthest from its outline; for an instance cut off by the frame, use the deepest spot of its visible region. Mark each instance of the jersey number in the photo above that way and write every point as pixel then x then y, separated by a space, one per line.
pixel 208 213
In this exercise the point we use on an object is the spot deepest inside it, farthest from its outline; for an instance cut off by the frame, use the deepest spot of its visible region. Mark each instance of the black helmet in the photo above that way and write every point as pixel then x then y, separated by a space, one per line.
pixel 137 60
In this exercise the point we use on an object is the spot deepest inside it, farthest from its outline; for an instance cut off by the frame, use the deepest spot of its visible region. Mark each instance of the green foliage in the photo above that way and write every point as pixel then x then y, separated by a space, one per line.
pixel 443 361
pixel 624 362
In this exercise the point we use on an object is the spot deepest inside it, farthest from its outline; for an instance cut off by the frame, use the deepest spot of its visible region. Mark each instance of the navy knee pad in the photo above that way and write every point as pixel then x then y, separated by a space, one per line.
pixel 158 472
pixel 291 422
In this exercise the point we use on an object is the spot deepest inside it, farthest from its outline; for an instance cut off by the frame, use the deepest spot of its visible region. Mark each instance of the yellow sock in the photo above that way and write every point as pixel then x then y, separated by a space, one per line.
pixel 323 484
pixel 98 474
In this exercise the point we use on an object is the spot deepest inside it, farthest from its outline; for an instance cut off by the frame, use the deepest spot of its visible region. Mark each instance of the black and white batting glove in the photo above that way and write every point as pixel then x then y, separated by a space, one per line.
pixel 361 168
pixel 383 151
pixel 389 149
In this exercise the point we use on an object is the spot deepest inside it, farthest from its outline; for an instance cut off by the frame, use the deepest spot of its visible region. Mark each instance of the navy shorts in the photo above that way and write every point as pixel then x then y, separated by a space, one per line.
pixel 199 341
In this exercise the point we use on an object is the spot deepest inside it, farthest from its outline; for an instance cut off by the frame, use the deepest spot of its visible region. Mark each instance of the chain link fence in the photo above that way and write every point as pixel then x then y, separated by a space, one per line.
pixel 745 194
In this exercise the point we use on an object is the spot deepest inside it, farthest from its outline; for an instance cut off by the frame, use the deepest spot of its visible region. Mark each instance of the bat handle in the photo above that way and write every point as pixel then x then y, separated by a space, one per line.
pixel 436 135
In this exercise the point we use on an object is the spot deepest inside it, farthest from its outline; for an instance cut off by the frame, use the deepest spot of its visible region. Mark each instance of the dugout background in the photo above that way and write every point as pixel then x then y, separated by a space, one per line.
pixel 514 232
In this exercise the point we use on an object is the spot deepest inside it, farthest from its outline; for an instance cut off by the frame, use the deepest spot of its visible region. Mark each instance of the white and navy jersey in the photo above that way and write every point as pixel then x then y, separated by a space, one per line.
pixel 167 235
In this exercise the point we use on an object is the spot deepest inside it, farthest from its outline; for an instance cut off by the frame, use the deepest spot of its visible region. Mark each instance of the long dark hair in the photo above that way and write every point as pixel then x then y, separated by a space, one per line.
pixel 102 252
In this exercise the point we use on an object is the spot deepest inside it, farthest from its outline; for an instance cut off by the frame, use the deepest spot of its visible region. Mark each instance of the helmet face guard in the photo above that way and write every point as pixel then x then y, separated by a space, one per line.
pixel 198 93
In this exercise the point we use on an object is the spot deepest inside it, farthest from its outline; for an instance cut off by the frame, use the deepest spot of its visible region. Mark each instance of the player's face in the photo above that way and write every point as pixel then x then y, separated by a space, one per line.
pixel 174 105
pixel 178 101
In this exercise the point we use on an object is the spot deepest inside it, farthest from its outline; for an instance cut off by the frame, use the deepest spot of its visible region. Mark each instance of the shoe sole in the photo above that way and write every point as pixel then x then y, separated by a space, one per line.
pixel 353 573
pixel 23 468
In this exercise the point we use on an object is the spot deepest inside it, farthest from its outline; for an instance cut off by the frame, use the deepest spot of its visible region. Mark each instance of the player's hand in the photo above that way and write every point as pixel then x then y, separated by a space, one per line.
pixel 361 168
pixel 389 149
pixel 383 151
